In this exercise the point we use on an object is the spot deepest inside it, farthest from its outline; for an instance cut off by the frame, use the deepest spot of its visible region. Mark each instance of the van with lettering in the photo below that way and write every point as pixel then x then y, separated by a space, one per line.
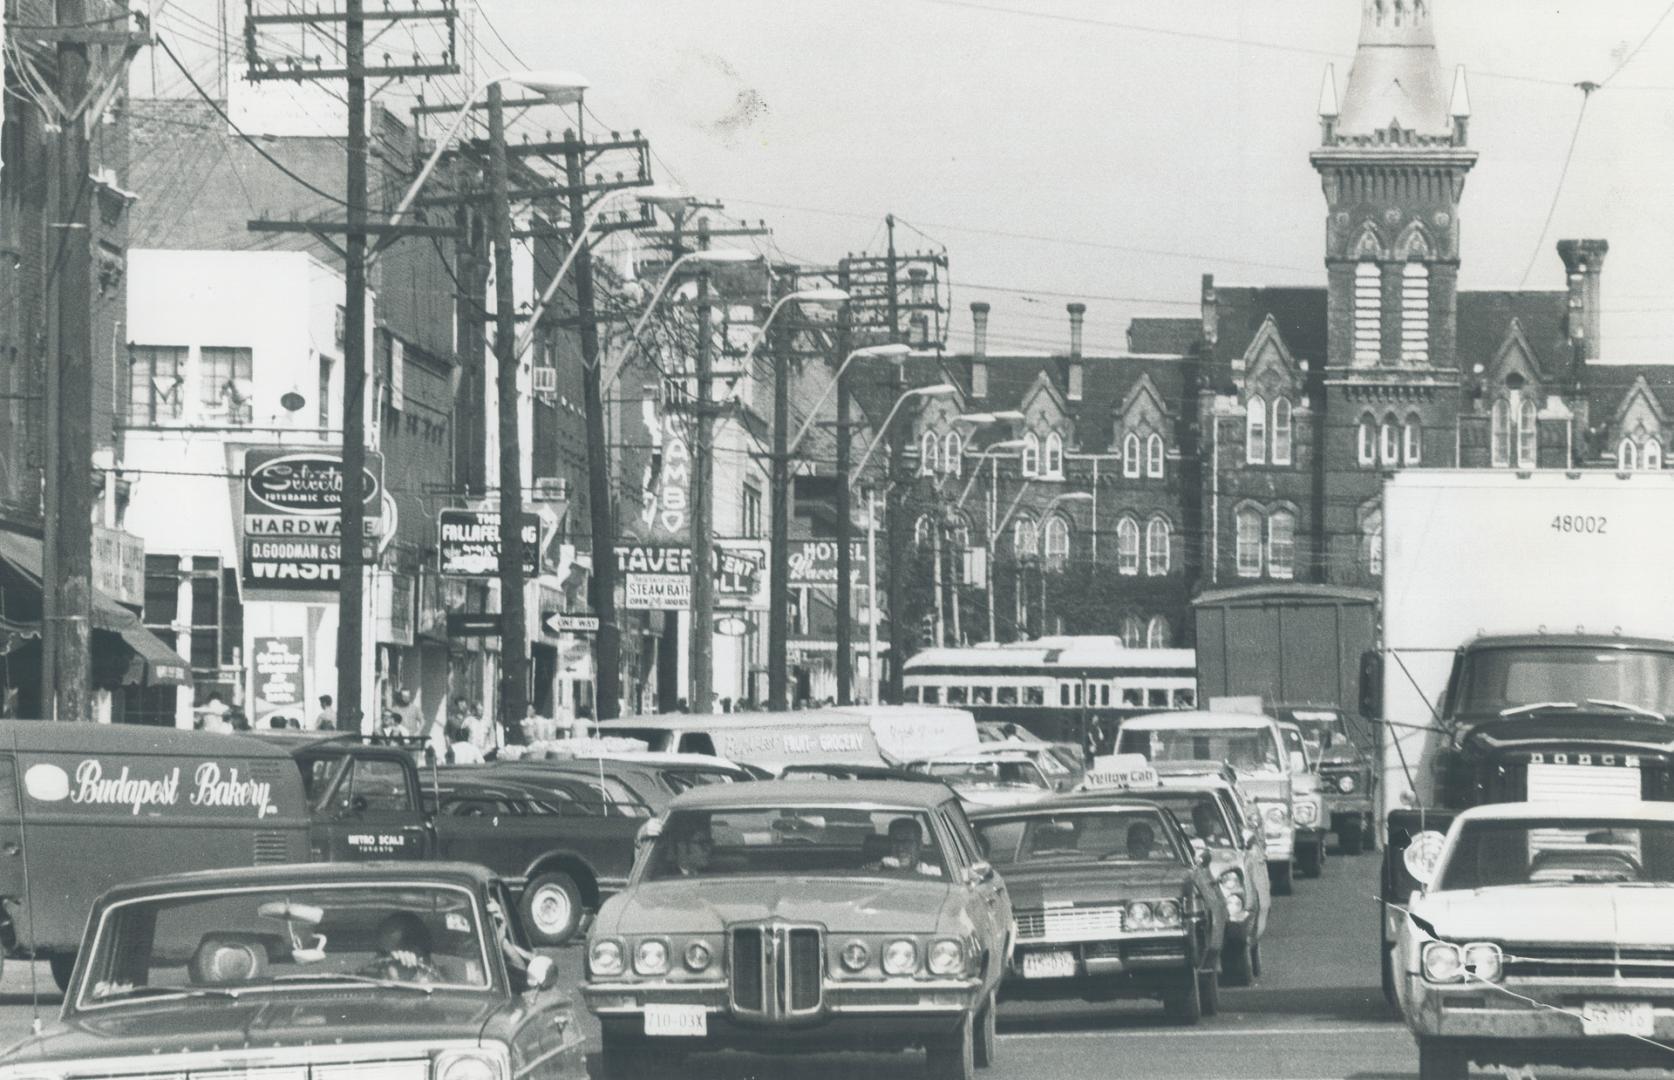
pixel 84 807
pixel 838 735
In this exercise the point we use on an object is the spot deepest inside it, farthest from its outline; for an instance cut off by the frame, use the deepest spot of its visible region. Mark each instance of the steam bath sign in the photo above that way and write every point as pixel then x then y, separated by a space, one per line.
pixel 293 521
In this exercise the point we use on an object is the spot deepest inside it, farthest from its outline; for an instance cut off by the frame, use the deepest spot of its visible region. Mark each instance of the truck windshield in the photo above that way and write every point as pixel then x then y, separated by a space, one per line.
pixel 1496 679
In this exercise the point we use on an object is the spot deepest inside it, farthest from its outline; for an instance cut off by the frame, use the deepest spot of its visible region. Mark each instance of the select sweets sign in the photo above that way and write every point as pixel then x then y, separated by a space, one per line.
pixel 293 520
pixel 146 788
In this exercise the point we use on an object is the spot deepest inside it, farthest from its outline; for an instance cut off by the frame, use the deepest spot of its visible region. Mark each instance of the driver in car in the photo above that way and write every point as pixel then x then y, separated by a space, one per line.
pixel 403 951
pixel 905 846
pixel 1206 823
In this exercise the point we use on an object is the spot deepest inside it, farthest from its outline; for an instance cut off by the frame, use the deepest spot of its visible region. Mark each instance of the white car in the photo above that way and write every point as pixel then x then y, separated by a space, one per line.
pixel 1542 936
pixel 991 776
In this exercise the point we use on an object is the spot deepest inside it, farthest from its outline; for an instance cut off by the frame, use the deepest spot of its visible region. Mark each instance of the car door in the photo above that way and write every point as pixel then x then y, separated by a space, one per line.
pixel 1253 853
pixel 991 895
pixel 373 813
pixel 482 826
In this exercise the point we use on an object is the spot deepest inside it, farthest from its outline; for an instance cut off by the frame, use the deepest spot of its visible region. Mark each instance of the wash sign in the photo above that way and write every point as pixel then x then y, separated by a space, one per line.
pixel 1121 772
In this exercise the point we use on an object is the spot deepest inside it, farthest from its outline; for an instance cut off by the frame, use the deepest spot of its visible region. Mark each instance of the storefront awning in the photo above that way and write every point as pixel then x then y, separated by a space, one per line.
pixel 153 663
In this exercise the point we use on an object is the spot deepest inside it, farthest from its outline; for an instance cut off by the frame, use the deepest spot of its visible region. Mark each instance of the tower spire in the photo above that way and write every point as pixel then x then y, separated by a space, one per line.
pixel 1397 83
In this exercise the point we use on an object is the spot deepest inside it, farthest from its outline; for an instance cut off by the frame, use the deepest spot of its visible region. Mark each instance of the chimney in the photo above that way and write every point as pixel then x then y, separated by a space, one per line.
pixel 1077 312
pixel 1583 265
pixel 1211 312
pixel 979 330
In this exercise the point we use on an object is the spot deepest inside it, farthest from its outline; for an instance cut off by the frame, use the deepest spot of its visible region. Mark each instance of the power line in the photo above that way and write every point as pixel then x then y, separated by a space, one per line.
pixel 1574 137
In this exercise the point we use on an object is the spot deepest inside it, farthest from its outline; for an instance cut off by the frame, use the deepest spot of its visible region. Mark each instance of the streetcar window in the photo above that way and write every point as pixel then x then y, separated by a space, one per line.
pixel 982 695
pixel 1156 698
pixel 1005 695
pixel 1034 695
pixel 912 694
pixel 1185 699
pixel 1104 695
pixel 932 695
pixel 1063 693
pixel 1078 693
pixel 1133 696
pixel 956 695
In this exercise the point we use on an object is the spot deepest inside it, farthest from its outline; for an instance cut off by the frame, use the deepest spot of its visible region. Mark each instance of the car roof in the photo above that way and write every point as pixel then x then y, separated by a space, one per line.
pixel 78 738
pixel 344 873
pixel 651 758
pixel 1569 641
pixel 1197 719
pixel 804 718
pixel 1591 810
pixel 1076 801
pixel 902 793
pixel 983 757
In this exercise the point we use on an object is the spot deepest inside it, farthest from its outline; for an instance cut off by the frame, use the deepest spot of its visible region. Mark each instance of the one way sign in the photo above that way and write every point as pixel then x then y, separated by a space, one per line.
pixel 558 622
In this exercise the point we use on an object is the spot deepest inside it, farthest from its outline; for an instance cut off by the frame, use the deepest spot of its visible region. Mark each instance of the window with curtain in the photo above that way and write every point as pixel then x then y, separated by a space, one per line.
pixel 1157 634
pixel 1156 546
pixel 1031 455
pixel 1249 542
pixel 1133 631
pixel 1528 435
pixel 1281 544
pixel 1650 456
pixel 1415 313
pixel 1281 431
pixel 1371 540
pixel 1054 455
pixel 929 454
pixel 1255 431
pixel 156 374
pixel 953 454
pixel 1023 537
pixel 1127 546
pixel 1368 313
pixel 1627 456
pixel 1499 435
pixel 1368 441
pixel 1389 441
pixel 1412 440
pixel 1057 538
pixel 1155 457
pixel 224 383
pixel 1130 456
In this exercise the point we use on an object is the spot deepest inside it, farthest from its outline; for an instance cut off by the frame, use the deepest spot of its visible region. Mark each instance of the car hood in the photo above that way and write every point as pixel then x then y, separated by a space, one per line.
pixel 1339 758
pixel 1631 916
pixel 984 797
pixel 1034 887
pixel 263 1021
pixel 841 905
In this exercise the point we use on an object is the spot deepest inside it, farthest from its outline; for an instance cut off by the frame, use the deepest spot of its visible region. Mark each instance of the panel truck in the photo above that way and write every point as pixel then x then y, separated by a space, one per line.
pixel 1528 650
pixel 1298 647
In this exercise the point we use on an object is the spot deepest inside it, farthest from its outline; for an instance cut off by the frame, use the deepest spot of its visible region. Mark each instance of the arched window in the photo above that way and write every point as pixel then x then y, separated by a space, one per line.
pixel 1368 313
pixel 1650 455
pixel 1130 456
pixel 953 453
pixel 1054 455
pixel 1157 633
pixel 1127 546
pixel 1368 441
pixel 1627 456
pixel 1498 424
pixel 1528 435
pixel 928 453
pixel 1023 537
pixel 1154 455
pixel 1415 313
pixel 1412 439
pixel 1389 441
pixel 1057 538
pixel 1156 546
pixel 921 530
pixel 1371 540
pixel 1281 431
pixel 1249 542
pixel 1133 631
pixel 1281 544
pixel 1255 431
pixel 1031 455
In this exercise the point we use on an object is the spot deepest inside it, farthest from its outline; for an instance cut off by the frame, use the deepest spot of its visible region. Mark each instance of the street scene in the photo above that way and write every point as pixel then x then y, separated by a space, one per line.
pixel 551 539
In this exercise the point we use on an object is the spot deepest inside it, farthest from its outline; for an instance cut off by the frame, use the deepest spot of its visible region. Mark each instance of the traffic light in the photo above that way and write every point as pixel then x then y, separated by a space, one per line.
pixel 927 628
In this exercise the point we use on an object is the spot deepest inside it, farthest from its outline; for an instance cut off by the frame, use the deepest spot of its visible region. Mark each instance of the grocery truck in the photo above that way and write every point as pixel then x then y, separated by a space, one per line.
pixel 1299 648
pixel 1527 653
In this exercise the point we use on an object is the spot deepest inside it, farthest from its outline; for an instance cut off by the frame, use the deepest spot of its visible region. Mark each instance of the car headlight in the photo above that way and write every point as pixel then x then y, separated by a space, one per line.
pixel 900 957
pixel 1484 960
pixel 1167 914
pixel 651 958
pixel 467 1065
pixel 1346 784
pixel 855 955
pixel 1139 916
pixel 698 957
pixel 606 958
pixel 1232 883
pixel 1442 961
pixel 1307 812
pixel 947 957
pixel 1275 819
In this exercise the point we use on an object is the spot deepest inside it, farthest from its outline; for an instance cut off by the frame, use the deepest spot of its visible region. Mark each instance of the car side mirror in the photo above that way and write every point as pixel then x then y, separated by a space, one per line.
pixel 981 872
pixel 542 973
pixel 1371 684
pixel 1249 835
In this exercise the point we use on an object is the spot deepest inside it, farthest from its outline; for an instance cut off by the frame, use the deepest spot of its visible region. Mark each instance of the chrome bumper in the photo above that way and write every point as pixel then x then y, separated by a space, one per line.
pixel 898 996
pixel 1498 1011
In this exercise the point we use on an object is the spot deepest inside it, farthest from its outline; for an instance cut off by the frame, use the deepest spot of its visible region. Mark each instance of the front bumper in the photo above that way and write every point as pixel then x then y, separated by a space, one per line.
pixel 869 998
pixel 1140 963
pixel 1281 847
pixel 1491 1014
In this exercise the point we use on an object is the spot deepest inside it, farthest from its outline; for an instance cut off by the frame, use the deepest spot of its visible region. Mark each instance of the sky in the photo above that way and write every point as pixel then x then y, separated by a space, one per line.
pixel 1106 151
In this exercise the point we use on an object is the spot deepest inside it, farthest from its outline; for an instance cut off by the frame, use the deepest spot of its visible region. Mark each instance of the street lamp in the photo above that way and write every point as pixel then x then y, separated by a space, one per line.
pixel 917 391
pixel 709 257
pixel 894 351
pixel 987 455
pixel 1040 541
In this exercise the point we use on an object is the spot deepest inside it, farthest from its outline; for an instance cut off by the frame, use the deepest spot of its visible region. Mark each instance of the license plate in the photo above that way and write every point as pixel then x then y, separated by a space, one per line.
pixel 679 1021
pixel 1617 1018
pixel 1049 965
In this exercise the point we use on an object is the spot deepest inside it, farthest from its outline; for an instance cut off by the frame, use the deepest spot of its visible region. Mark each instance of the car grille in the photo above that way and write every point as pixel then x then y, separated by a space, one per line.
pixel 1547 962
pixel 777 970
pixel 385 1069
pixel 271 847
pixel 1069 924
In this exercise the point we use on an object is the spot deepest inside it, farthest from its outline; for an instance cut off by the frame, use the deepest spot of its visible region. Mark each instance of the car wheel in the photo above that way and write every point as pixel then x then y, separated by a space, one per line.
pixel 622 1055
pixel 62 968
pixel 985 1042
pixel 1183 1003
pixel 1350 839
pixel 1209 993
pixel 953 1056
pixel 1237 963
pixel 1281 878
pixel 551 909
pixel 1438 1060
pixel 1309 860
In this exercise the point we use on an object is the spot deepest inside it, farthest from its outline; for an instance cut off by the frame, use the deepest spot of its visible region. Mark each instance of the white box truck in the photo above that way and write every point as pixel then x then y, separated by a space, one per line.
pixel 1527 650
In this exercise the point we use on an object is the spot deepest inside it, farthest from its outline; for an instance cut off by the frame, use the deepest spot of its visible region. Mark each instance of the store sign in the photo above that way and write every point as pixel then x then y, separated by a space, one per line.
pixel 668 475
pixel 814 562
pixel 119 565
pixel 278 666
pixel 558 622
pixel 293 523
pixel 655 577
pixel 468 543
pixel 741 575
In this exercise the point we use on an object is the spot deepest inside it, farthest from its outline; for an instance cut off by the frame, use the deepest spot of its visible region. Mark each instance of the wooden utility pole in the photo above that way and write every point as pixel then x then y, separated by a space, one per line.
pixel 778 615
pixel 899 632
pixel 703 498
pixel 844 508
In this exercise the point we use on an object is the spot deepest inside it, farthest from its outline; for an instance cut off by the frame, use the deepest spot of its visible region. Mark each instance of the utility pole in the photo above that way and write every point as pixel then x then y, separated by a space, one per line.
pixel 703 475
pixel 845 510
pixel 514 659
pixel 899 631
pixel 778 615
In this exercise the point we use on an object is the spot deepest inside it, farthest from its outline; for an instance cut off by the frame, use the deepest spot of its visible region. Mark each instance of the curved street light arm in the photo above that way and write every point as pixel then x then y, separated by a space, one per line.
pixel 825 394
pixel 614 365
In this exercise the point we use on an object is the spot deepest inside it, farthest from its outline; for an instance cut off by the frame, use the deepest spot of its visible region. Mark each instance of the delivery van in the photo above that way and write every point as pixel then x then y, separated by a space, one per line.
pixel 837 735
pixel 84 807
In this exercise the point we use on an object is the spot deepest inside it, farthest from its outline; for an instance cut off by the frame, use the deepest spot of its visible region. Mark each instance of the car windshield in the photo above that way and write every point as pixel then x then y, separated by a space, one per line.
pixel 1242 748
pixel 1496 679
pixel 1560 851
pixel 1024 775
pixel 823 841
pixel 263 940
pixel 1091 835
pixel 1200 815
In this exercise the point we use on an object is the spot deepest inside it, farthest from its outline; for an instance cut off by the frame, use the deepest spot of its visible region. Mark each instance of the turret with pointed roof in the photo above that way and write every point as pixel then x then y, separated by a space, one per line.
pixel 1397 81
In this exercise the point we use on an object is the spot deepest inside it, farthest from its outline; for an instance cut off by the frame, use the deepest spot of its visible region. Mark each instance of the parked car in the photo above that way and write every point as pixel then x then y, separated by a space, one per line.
pixel 394 969
pixel 1307 804
pixel 1002 777
pixel 1346 777
pixel 1111 900
pixel 1540 936
pixel 854 772
pixel 637 784
pixel 760 918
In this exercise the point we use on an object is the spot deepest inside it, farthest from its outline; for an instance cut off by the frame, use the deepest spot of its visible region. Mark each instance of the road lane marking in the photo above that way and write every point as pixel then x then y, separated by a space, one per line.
pixel 1201 1033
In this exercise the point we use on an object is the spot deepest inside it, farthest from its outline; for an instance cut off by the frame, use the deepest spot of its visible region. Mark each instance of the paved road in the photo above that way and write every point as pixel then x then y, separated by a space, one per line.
pixel 1316 1014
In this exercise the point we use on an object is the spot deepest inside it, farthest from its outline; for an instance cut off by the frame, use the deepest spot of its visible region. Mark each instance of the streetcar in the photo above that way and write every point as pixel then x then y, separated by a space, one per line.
pixel 1063 689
